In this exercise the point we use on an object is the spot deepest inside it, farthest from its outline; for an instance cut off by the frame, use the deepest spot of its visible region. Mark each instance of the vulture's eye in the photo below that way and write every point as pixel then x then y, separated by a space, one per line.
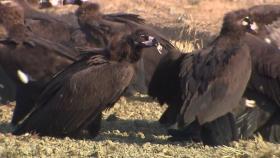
pixel 246 21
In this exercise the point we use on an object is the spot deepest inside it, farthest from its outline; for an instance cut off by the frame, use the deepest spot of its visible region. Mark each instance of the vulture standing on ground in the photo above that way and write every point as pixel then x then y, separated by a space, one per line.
pixel 261 115
pixel 29 60
pixel 252 115
pixel 209 83
pixel 74 100
pixel 263 88
pixel 93 23
pixel 44 26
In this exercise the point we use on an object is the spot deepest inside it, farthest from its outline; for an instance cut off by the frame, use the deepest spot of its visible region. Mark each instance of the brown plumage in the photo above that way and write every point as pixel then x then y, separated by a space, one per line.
pixel 75 98
pixel 249 117
pixel 45 27
pixel 165 85
pixel 265 52
pixel 23 53
pixel 264 46
pixel 94 23
pixel 254 111
pixel 269 27
pixel 263 85
pixel 212 80
pixel 271 130
pixel 54 28
pixel 29 12
pixel 7 88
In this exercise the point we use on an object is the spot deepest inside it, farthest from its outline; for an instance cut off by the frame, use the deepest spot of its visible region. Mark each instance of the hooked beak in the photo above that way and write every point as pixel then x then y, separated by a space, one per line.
pixel 153 42
pixel 150 42
pixel 254 27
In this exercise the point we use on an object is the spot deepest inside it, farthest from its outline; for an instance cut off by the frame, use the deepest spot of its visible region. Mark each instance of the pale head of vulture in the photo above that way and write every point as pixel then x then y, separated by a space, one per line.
pixel 238 23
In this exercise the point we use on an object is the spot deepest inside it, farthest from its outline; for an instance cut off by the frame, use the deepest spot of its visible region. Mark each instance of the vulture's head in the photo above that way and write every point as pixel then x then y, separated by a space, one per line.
pixel 129 47
pixel 238 23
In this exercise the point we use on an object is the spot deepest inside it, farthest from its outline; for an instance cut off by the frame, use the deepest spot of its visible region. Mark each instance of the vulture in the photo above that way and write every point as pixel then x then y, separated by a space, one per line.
pixel 48 27
pixel 261 89
pixel 208 84
pixel 29 60
pixel 73 101
pixel 263 86
pixel 94 23
pixel 51 28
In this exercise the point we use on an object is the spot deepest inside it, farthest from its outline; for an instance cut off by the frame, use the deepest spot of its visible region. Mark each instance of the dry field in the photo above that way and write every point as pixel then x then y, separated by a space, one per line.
pixel 130 129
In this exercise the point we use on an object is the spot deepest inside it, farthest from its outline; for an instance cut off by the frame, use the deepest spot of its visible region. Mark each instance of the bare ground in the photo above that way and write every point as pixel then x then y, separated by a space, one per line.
pixel 130 129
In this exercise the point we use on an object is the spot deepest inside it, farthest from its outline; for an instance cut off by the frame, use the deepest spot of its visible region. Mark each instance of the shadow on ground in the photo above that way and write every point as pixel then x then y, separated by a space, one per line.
pixel 134 132
pixel 6 127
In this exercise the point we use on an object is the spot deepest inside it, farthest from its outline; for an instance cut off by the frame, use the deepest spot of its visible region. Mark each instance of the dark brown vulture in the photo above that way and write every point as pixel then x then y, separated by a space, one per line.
pixel 93 23
pixel 74 99
pixel 211 81
pixel 165 85
pixel 48 27
pixel 264 65
pixel 262 88
pixel 29 60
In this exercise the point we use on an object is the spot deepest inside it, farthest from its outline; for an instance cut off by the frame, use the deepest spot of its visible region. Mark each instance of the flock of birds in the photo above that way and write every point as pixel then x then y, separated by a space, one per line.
pixel 65 74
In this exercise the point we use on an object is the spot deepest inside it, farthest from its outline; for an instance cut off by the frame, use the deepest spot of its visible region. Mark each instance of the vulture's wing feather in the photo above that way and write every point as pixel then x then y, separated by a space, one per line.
pixel 213 82
pixel 76 96
pixel 39 60
pixel 131 17
pixel 254 111
pixel 271 131
pixel 266 70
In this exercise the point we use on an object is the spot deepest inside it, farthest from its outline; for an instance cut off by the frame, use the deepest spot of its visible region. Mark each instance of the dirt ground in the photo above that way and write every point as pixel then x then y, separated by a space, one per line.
pixel 130 129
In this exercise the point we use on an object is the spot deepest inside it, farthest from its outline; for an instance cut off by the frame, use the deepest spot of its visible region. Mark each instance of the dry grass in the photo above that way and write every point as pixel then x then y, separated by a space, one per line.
pixel 130 129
